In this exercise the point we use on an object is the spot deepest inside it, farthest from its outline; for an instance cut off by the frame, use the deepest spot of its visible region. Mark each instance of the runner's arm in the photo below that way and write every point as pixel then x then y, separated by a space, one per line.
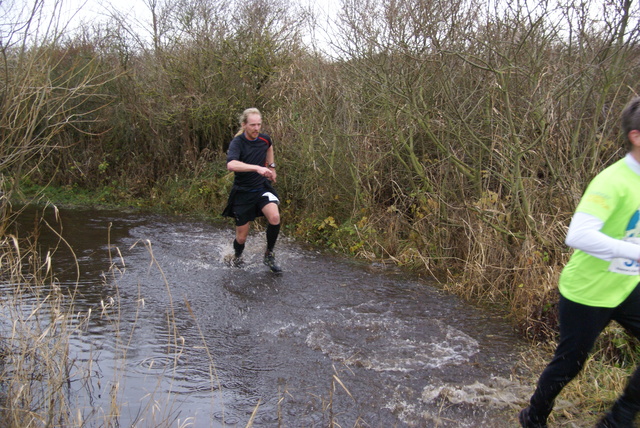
pixel 270 160
pixel 584 234
pixel 238 166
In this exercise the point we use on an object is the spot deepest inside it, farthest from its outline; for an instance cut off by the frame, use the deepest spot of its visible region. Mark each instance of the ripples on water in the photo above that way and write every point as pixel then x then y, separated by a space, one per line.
pixel 329 340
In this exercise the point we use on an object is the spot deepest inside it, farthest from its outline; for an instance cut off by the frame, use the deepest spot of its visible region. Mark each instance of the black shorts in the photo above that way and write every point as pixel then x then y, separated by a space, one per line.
pixel 246 206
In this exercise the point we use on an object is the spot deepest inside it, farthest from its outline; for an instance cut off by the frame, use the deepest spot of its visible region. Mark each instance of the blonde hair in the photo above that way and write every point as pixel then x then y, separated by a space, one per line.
pixel 244 116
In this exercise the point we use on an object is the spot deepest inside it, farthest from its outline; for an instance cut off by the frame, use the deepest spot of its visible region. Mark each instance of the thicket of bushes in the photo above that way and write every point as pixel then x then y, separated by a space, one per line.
pixel 449 137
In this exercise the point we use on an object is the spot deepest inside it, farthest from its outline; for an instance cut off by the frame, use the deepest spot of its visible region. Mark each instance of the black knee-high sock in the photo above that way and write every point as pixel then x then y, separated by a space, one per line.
pixel 238 248
pixel 272 235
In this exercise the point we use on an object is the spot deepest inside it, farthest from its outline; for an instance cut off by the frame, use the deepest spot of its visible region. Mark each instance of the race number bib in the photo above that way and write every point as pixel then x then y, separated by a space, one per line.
pixel 632 234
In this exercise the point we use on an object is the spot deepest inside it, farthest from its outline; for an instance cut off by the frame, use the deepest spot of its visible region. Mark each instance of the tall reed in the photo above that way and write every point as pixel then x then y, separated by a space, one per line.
pixel 46 377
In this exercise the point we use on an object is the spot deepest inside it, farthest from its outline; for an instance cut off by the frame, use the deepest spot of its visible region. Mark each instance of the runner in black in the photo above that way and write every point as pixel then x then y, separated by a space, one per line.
pixel 250 157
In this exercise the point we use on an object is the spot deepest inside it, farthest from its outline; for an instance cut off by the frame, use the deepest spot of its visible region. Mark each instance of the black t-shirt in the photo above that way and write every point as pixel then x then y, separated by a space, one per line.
pixel 251 152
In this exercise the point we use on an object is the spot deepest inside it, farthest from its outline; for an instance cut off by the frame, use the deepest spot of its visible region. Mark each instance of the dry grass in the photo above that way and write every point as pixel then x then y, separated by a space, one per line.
pixel 583 401
pixel 42 382
pixel 36 324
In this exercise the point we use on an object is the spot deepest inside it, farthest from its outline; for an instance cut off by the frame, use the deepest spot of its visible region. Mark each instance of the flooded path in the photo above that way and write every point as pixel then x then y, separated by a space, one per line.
pixel 329 341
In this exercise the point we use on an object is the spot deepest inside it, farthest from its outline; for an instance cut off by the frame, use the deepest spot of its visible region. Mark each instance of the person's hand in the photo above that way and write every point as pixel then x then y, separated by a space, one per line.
pixel 267 173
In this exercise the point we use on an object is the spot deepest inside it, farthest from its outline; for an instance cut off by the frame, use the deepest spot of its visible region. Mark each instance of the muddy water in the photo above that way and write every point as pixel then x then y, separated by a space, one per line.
pixel 198 343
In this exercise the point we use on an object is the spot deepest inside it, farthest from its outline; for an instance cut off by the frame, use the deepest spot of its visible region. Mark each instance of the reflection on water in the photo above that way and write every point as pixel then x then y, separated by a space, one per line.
pixel 183 338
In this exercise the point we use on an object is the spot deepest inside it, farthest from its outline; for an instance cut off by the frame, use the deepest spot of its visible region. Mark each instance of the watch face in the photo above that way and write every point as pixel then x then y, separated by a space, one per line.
pixel 272 165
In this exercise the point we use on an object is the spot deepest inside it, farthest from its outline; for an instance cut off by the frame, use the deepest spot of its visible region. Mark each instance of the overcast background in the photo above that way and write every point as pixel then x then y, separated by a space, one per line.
pixel 75 13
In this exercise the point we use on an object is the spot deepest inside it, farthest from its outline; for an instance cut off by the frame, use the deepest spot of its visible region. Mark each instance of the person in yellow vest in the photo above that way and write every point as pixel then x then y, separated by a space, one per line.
pixel 599 284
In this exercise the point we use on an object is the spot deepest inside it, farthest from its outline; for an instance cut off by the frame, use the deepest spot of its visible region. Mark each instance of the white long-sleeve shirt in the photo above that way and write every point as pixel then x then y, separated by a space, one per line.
pixel 584 233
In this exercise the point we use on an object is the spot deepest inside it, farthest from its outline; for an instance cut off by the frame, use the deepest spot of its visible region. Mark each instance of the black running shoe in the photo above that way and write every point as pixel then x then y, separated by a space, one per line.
pixel 610 421
pixel 270 260
pixel 525 420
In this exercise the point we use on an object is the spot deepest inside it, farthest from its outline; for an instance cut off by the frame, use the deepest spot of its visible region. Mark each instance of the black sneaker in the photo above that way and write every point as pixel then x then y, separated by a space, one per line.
pixel 609 421
pixel 526 422
pixel 270 260
pixel 604 423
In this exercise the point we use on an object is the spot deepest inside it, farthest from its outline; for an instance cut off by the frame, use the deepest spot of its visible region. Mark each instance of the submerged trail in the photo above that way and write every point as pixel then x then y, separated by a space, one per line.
pixel 329 341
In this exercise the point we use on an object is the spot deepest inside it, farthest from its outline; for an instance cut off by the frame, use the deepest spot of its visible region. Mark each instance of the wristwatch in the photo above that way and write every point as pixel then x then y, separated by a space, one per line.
pixel 272 165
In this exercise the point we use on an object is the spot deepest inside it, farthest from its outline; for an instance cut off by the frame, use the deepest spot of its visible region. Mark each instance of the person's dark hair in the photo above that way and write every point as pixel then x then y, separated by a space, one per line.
pixel 630 119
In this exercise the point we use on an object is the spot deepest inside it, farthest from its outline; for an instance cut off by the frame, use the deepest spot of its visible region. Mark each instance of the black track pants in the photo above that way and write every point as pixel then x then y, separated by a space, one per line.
pixel 580 326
